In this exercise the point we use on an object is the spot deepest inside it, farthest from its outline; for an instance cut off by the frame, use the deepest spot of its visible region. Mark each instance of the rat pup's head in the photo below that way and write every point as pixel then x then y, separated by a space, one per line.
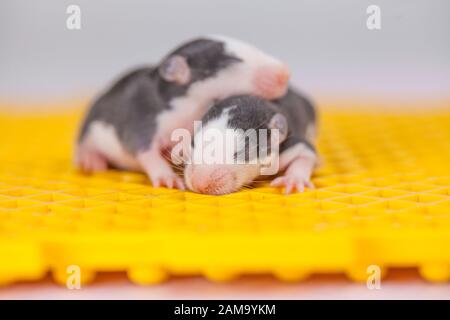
pixel 238 137
pixel 216 67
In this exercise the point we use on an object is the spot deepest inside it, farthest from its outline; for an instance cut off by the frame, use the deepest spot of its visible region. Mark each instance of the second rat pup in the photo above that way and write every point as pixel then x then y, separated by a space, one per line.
pixel 294 118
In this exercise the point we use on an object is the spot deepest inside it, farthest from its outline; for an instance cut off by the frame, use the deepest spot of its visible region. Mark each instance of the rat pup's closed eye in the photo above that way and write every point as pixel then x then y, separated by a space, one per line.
pixel 245 145
pixel 130 125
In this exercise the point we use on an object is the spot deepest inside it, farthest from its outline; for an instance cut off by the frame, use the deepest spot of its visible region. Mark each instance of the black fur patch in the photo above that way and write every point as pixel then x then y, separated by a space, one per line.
pixel 205 58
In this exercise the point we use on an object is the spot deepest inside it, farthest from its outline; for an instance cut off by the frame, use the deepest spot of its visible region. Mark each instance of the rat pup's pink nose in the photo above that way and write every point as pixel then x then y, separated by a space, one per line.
pixel 212 179
pixel 272 82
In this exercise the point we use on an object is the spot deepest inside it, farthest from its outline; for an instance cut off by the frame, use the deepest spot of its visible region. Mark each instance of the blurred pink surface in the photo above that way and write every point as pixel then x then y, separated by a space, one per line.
pixel 405 284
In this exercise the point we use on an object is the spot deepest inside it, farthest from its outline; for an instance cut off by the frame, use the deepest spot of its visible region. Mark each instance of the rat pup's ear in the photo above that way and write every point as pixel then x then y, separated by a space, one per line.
pixel 279 122
pixel 175 69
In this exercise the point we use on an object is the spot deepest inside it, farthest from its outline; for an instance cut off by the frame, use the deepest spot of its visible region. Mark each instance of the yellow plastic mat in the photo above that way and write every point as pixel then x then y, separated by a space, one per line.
pixel 382 199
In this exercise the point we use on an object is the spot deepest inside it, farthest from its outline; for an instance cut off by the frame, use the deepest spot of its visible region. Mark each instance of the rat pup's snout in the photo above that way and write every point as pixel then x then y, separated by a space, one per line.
pixel 271 82
pixel 210 178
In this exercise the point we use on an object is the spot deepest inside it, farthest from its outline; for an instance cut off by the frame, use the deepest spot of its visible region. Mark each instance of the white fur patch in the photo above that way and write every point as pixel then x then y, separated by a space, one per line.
pixel 220 126
pixel 103 138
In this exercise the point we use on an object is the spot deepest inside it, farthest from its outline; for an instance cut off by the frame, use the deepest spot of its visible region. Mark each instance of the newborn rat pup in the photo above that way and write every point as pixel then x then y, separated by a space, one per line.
pixel 294 118
pixel 129 126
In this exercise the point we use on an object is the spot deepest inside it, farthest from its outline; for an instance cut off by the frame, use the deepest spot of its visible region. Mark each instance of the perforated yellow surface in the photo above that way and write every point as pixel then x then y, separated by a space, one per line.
pixel 382 198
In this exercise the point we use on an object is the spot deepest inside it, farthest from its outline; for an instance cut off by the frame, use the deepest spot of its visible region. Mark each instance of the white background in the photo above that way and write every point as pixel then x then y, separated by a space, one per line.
pixel 327 44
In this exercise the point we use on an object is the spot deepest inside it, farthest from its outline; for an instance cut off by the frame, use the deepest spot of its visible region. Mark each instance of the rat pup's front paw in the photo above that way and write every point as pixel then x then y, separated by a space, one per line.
pixel 169 180
pixel 291 182
pixel 297 175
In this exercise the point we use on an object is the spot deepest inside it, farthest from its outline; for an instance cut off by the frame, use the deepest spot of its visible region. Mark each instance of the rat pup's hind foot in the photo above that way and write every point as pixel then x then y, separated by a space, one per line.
pixel 297 176
pixel 90 160
pixel 159 170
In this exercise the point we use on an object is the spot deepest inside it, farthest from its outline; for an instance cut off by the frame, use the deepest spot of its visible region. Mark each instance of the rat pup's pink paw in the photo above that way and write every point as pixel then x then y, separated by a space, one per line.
pixel 170 181
pixel 90 160
pixel 159 170
pixel 292 182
